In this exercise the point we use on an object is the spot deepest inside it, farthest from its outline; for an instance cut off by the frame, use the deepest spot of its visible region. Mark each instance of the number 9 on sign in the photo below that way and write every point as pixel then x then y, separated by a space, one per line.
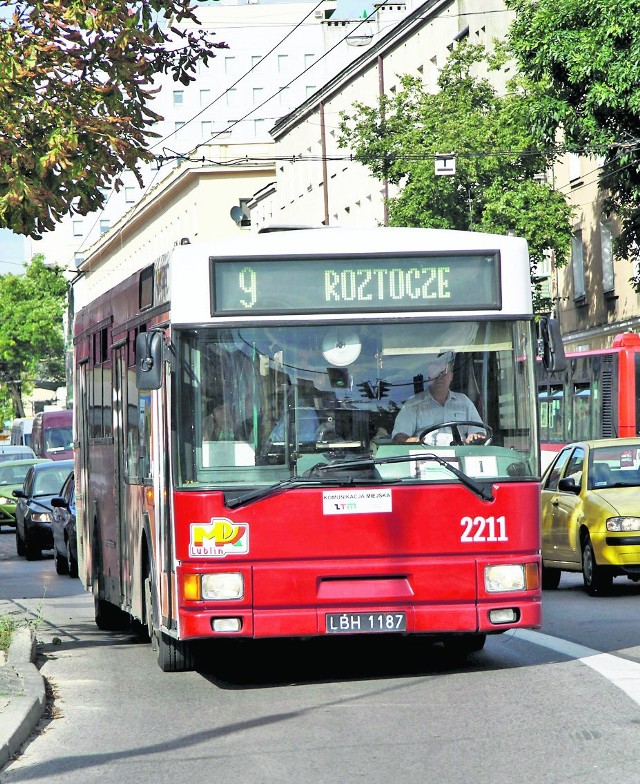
pixel 248 284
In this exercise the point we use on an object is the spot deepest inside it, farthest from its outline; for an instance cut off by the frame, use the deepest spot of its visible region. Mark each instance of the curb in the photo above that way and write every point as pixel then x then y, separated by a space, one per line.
pixel 20 717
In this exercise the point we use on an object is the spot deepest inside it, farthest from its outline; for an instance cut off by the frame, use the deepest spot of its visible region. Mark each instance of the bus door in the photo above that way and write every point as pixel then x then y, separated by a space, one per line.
pixel 120 408
pixel 162 496
pixel 81 406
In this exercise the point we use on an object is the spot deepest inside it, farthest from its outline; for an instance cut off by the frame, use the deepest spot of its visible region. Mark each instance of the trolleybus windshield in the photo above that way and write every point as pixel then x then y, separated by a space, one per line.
pixel 260 404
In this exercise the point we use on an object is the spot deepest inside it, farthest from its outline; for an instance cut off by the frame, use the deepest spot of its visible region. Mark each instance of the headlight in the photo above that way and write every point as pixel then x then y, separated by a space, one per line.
pixel 41 517
pixel 224 585
pixel 623 524
pixel 5 500
pixel 221 586
pixel 504 577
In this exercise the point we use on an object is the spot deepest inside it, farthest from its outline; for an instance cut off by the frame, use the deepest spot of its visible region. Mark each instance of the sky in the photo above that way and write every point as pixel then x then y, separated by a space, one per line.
pixel 13 252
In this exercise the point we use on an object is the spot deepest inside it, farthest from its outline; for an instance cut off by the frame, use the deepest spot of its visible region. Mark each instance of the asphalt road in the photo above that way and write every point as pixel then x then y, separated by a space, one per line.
pixel 554 707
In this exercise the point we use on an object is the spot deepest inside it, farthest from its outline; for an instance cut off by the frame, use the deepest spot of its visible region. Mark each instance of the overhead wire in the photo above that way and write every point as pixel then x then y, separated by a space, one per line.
pixel 180 156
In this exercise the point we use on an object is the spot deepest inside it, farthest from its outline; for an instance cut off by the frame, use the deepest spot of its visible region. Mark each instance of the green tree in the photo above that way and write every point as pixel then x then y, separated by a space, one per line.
pixel 584 58
pixel 31 334
pixel 496 186
pixel 76 82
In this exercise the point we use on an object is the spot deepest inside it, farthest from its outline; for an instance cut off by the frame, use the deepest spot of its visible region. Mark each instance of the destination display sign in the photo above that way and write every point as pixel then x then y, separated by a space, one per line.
pixel 469 281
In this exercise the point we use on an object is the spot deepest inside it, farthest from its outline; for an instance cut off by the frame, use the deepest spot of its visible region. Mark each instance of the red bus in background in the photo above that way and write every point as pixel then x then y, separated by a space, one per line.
pixel 596 396
pixel 52 434
pixel 235 470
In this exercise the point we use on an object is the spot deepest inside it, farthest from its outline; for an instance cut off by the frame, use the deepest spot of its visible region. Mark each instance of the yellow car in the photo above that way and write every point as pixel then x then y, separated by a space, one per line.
pixel 591 513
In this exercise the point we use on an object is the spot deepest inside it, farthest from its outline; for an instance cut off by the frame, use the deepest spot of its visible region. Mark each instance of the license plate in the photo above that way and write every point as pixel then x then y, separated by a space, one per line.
pixel 354 623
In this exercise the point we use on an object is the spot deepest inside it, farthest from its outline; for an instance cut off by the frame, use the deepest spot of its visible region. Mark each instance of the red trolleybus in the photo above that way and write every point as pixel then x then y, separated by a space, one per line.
pixel 237 476
pixel 596 396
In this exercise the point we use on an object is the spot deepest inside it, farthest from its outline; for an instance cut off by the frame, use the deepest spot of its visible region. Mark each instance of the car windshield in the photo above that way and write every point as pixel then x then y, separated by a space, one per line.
pixel 49 482
pixel 13 475
pixel 258 405
pixel 614 466
pixel 58 439
pixel 9 453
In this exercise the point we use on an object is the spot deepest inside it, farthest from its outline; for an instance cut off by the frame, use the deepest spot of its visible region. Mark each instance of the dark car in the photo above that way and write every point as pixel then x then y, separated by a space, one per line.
pixel 63 526
pixel 12 475
pixel 33 511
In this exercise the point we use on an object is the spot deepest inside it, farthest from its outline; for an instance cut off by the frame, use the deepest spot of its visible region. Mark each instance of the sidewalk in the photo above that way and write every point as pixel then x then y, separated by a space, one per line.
pixel 22 693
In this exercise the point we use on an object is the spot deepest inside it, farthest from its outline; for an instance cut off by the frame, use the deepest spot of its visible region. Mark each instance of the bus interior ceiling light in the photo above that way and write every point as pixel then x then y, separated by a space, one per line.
pixel 341 349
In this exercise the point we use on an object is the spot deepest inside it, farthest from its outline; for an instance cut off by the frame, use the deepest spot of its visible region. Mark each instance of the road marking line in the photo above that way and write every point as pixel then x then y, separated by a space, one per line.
pixel 621 672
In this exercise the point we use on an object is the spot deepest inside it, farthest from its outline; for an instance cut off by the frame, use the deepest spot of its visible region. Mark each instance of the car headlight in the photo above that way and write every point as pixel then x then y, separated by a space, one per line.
pixel 504 577
pixel 5 500
pixel 623 524
pixel 41 517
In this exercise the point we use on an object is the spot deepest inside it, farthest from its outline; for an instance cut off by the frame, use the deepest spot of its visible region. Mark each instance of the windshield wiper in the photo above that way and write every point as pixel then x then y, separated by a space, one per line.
pixel 287 484
pixel 466 480
pixel 337 465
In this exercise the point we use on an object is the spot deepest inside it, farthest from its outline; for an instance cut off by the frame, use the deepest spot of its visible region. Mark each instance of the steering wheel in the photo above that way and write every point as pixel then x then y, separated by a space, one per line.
pixel 457 438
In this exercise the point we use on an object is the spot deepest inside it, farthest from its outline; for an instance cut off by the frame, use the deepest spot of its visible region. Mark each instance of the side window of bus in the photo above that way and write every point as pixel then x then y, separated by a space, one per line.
pixel 556 470
pixel 144 425
pixel 581 412
pixel 556 413
pixel 133 431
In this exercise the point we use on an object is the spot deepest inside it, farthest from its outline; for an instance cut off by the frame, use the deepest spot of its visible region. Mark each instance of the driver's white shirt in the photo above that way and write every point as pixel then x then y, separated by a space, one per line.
pixel 422 411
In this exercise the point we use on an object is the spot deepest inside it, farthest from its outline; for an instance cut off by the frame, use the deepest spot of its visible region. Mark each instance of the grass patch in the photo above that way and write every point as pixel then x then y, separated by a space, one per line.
pixel 8 624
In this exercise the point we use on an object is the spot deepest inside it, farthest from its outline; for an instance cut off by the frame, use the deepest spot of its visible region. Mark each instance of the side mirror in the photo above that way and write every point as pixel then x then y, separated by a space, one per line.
pixel 568 485
pixel 149 360
pixel 552 348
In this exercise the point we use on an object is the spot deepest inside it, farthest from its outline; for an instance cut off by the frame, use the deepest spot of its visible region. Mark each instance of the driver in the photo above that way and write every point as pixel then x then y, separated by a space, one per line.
pixel 436 405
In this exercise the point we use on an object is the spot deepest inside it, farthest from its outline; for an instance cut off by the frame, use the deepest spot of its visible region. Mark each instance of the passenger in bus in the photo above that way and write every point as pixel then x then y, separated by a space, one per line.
pixel 436 405
pixel 305 422
pixel 219 424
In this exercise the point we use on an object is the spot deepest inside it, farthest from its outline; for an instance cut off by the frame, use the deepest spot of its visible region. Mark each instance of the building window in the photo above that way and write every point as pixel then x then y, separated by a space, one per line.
pixel 229 65
pixel 308 60
pixel 178 97
pixel 77 228
pixel 309 90
pixel 232 97
pixel 205 97
pixel 577 263
pixel 606 253
pixel 206 129
pixel 255 59
pixel 574 167
pixel 284 95
pixel 104 226
pixel 258 127
pixel 283 63
pixel 177 125
pixel 130 195
pixel 258 94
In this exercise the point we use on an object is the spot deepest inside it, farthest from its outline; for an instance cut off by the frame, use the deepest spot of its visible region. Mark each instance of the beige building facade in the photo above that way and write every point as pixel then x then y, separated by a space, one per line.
pixel 594 296
pixel 194 202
